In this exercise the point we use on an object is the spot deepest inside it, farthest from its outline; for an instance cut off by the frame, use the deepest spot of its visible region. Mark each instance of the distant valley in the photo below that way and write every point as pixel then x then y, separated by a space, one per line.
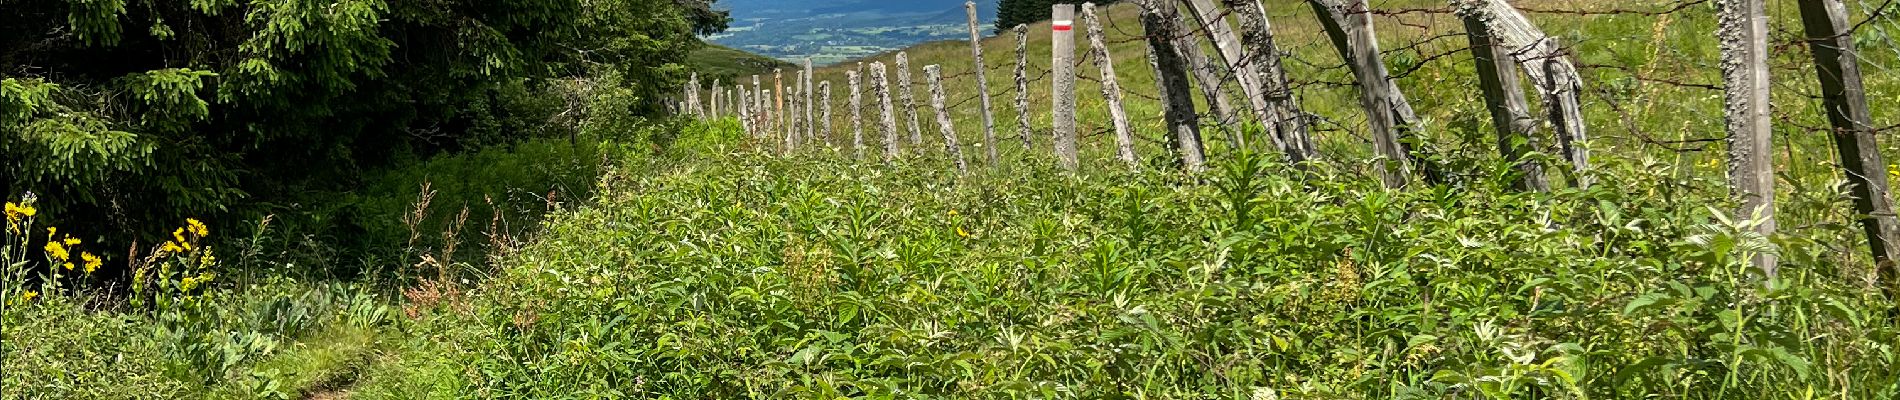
pixel 830 31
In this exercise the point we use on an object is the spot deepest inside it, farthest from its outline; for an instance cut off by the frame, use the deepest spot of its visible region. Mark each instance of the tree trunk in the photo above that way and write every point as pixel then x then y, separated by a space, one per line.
pixel 1111 89
pixel 1062 119
pixel 1022 84
pixel 935 74
pixel 1349 25
pixel 1171 76
pixel 1742 26
pixel 880 83
pixel 1510 111
pixel 982 85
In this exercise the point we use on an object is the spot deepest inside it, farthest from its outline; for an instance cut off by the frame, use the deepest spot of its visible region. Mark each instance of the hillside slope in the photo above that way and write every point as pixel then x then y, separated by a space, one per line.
pixel 725 63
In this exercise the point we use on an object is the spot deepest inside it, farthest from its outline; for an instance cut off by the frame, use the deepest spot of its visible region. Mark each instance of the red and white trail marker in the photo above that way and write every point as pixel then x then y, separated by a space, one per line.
pixel 1063 25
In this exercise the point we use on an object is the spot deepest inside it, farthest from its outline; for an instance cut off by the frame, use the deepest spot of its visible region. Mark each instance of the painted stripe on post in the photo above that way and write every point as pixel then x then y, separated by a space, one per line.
pixel 1063 25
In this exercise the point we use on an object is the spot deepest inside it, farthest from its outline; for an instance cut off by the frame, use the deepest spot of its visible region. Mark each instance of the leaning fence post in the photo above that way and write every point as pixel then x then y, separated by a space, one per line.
pixel 1022 84
pixel 810 125
pixel 1111 89
pixel 934 73
pixel 982 84
pixel 880 83
pixel 1158 20
pixel 1062 37
pixel 1203 70
pixel 1844 97
pixel 905 95
pixel 1387 111
pixel 1504 97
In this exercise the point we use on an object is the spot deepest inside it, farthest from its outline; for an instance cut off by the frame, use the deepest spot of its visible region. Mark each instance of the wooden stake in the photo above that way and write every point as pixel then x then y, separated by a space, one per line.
pixel 1184 128
pixel 1111 90
pixel 1281 113
pixel 1248 73
pixel 934 73
pixel 881 84
pixel 1544 60
pixel 857 114
pixel 811 125
pixel 1844 96
pixel 743 109
pixel 824 96
pixel 1063 115
pixel 1742 27
pixel 1349 24
pixel 905 95
pixel 1510 111
pixel 1022 84
pixel 1204 71
pixel 982 85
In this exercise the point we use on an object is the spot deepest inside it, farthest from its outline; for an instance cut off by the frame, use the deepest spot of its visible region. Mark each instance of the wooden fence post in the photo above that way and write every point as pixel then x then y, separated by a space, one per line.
pixel 1111 89
pixel 741 110
pixel 1281 114
pixel 1203 71
pixel 1062 120
pixel 692 95
pixel 1171 76
pixel 880 83
pixel 1246 72
pixel 779 125
pixel 906 95
pixel 1504 97
pixel 982 84
pixel 857 113
pixel 824 96
pixel 934 73
pixel 1349 24
pixel 1550 70
pixel 795 121
pixel 1022 84
pixel 1844 96
pixel 811 125
pixel 1742 27
pixel 758 108
pixel 713 106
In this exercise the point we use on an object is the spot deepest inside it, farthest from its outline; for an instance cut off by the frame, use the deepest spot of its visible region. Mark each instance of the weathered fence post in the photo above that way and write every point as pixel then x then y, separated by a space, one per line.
pixel 1349 24
pixel 792 115
pixel 1247 73
pixel 1278 110
pixel 1177 102
pixel 742 110
pixel 1544 61
pixel 713 108
pixel 692 96
pixel 1504 97
pixel 906 95
pixel 758 108
pixel 779 125
pixel 982 85
pixel 824 96
pixel 880 83
pixel 811 126
pixel 1742 26
pixel 934 73
pixel 1022 84
pixel 1844 96
pixel 1062 119
pixel 1203 71
pixel 1111 89
pixel 857 113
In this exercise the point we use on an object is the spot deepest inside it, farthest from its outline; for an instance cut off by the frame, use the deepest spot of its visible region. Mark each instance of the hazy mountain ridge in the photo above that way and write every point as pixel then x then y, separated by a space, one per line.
pixel 829 31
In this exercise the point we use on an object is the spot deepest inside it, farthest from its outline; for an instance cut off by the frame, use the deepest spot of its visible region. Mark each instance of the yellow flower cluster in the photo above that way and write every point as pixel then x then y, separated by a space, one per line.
pixel 28 296
pixel 61 252
pixel 180 243
pixel 18 213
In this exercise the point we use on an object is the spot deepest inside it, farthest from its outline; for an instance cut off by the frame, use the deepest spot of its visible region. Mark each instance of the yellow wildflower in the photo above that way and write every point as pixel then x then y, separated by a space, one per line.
pixel 51 231
pixel 69 266
pixel 57 252
pixel 179 235
pixel 29 295
pixel 92 262
pixel 197 228
pixel 72 241
pixel 29 211
pixel 953 212
pixel 171 247
pixel 960 232
pixel 188 283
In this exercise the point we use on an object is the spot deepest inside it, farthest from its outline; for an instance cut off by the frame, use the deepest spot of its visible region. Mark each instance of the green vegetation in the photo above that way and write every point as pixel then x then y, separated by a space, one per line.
pixel 728 64
pixel 536 232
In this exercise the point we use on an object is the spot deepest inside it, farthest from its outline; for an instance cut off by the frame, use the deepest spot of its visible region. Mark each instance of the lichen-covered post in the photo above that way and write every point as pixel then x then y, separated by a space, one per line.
pixel 811 125
pixel 1274 101
pixel 1742 27
pixel 758 108
pixel 1111 89
pixel 1504 97
pixel 779 125
pixel 1349 25
pixel 824 96
pixel 1204 71
pixel 935 74
pixel 1158 18
pixel 982 84
pixel 857 112
pixel 713 107
pixel 881 83
pixel 905 95
pixel 692 96
pixel 743 110
pixel 1022 85
pixel 1062 49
